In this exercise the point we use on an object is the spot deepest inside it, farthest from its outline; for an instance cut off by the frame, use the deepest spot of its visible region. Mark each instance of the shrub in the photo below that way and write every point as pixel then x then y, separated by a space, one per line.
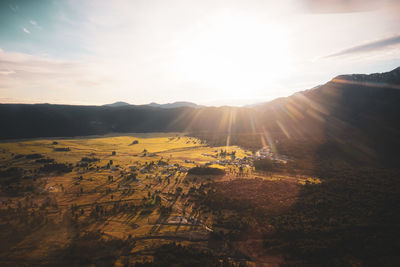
pixel 86 159
pixel 48 160
pixel 135 142
pixel 62 149
pixel 56 167
pixel 34 156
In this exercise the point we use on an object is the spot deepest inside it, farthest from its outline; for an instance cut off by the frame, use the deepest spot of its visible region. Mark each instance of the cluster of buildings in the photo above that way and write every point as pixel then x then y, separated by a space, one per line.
pixel 266 152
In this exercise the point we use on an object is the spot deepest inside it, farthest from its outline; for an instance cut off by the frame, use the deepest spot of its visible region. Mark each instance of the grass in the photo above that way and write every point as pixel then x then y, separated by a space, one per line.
pixel 86 187
pixel 103 196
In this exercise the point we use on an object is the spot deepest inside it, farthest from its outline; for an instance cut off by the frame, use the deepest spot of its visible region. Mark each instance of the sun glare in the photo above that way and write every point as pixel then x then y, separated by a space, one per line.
pixel 235 55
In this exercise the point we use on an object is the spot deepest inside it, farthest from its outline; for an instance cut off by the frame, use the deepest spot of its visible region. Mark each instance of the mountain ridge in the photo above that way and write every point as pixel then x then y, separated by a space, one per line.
pixel 390 77
pixel 176 104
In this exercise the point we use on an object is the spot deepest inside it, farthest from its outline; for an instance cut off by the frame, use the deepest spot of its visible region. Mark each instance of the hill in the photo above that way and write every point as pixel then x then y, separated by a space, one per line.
pixel 156 105
pixel 358 113
pixel 174 105
pixel 117 104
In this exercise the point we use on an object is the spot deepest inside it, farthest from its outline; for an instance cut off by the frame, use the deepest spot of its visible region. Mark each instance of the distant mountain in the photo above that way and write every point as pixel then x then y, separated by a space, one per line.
pixel 117 104
pixel 174 105
pixel 156 105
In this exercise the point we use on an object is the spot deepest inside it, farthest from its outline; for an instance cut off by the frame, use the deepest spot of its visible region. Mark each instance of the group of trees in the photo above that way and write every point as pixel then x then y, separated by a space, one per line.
pixel 91 249
pixel 352 216
pixel 101 212
pixel 224 153
pixel 177 255
pixel 56 167
pixel 200 170
pixel 353 212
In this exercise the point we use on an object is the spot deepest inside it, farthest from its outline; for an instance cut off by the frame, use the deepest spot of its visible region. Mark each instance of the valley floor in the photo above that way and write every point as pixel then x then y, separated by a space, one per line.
pixel 56 192
pixel 155 201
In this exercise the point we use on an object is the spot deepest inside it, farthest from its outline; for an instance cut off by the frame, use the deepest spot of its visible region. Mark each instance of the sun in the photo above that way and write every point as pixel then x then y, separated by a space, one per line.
pixel 235 55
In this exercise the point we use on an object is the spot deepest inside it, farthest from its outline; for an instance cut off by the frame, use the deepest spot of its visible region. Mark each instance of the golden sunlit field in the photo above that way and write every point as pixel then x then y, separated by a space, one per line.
pixel 131 188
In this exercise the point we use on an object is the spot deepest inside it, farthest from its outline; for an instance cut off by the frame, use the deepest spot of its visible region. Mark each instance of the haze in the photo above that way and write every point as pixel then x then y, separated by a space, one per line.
pixel 207 52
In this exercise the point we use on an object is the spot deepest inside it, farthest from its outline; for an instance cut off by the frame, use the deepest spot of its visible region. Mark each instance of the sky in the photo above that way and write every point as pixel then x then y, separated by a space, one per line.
pixel 210 52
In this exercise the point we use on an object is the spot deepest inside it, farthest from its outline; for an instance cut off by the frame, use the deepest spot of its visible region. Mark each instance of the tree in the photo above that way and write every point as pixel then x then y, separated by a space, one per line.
pixel 158 199
pixel 178 191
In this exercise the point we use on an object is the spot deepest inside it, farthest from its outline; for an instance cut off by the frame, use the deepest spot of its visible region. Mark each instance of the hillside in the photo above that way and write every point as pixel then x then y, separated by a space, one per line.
pixel 360 116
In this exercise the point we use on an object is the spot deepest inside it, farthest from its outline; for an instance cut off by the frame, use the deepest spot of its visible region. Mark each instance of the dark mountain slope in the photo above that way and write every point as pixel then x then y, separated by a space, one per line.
pixel 360 119
pixel 351 121
pixel 391 77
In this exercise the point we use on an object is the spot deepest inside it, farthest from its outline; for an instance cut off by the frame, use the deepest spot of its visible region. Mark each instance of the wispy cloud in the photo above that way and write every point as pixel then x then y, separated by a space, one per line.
pixel 348 6
pixel 368 47
pixel 6 72
pixel 26 30
pixel 14 8
pixel 30 78
pixel 35 24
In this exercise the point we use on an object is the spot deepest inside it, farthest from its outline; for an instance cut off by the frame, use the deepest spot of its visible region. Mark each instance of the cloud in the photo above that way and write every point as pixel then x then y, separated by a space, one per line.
pixel 348 6
pixel 139 51
pixel 14 8
pixel 26 30
pixel 6 72
pixel 368 47
pixel 31 78
pixel 35 24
